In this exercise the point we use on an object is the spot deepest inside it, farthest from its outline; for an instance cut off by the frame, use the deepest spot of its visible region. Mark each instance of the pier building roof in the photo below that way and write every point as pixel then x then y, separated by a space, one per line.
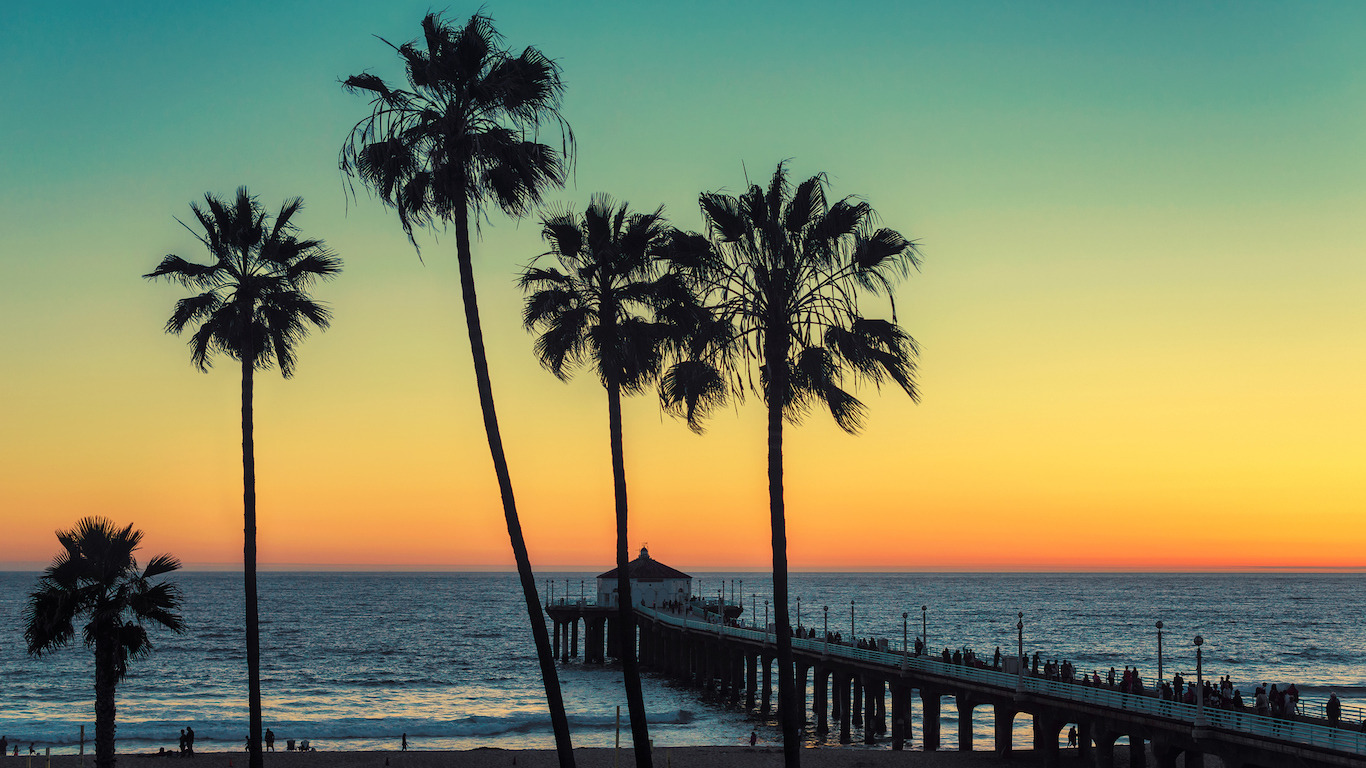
pixel 644 567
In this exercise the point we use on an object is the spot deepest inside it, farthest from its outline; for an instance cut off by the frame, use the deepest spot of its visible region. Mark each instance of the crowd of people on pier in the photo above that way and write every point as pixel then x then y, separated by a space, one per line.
pixel 1267 700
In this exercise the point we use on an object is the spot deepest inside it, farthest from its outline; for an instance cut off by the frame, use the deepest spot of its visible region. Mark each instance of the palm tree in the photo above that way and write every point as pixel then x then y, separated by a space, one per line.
pixel 613 306
pixel 784 270
pixel 96 578
pixel 442 151
pixel 254 307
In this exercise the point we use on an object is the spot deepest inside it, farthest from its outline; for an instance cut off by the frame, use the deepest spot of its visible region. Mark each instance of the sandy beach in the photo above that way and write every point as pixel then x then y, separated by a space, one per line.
pixel 681 757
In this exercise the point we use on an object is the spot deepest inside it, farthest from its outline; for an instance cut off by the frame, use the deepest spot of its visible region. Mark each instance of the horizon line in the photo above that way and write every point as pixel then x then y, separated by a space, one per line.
pixel 1056 568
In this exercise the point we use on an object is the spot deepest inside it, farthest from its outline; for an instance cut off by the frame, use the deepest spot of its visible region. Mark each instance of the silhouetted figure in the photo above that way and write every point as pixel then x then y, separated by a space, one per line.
pixel 1334 710
pixel 996 662
pixel 404 748
pixel 189 741
pixel 1072 736
pixel 753 738
pixel 180 745
pixel 270 740
pixel 4 745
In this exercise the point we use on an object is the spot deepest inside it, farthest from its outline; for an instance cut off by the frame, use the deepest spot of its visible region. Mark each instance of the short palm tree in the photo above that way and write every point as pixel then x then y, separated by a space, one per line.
pixel 253 306
pixel 609 304
pixel 459 139
pixel 784 270
pixel 95 578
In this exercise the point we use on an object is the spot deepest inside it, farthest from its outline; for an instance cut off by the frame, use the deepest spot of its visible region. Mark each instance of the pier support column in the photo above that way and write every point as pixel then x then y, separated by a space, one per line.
pixel 1005 729
pixel 1046 738
pixel 820 700
pixel 857 697
pixel 1084 741
pixel 735 661
pixel 767 662
pixel 803 671
pixel 612 649
pixel 900 716
pixel 869 712
pixel 843 682
pixel 880 707
pixel 1195 759
pixel 558 628
pixel 1138 756
pixel 1105 748
pixel 964 723
pixel 929 709
pixel 574 638
pixel 1165 754
pixel 751 680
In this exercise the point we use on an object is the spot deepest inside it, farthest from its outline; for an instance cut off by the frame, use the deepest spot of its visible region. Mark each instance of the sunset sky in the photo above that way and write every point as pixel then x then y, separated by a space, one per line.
pixel 1142 308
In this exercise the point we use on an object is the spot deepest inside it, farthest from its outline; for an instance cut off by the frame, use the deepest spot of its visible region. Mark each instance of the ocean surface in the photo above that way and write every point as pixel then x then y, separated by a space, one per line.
pixel 353 660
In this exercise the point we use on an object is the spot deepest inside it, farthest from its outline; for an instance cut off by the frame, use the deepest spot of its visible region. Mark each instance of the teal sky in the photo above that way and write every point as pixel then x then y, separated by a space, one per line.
pixel 1142 228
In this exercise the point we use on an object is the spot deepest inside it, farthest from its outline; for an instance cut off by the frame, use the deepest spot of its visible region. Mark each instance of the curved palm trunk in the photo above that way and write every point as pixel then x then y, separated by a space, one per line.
pixel 558 721
pixel 789 708
pixel 249 563
pixel 626 625
pixel 106 677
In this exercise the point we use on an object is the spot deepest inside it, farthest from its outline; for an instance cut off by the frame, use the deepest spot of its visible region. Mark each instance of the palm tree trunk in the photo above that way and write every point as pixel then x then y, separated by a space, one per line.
pixel 788 706
pixel 549 675
pixel 106 677
pixel 626 629
pixel 254 759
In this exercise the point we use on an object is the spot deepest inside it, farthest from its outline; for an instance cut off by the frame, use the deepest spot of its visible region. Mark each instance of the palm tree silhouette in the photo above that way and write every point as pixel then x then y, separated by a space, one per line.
pixel 783 270
pixel 442 151
pixel 614 307
pixel 254 307
pixel 96 578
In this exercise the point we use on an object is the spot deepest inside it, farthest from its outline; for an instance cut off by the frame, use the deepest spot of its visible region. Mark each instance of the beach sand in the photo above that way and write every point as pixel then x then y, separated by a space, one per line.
pixel 679 757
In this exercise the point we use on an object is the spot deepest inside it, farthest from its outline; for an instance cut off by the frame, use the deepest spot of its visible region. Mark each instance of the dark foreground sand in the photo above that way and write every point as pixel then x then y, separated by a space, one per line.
pixel 678 757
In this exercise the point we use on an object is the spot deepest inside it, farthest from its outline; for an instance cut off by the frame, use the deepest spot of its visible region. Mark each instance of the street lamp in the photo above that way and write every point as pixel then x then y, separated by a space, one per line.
pixel 924 628
pixel 1159 657
pixel 826 609
pixel 1019 678
pixel 904 636
pixel 799 611
pixel 851 622
pixel 765 619
pixel 1199 683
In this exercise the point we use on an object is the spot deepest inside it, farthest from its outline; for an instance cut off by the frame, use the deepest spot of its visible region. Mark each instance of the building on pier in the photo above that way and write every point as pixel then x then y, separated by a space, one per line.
pixel 652 583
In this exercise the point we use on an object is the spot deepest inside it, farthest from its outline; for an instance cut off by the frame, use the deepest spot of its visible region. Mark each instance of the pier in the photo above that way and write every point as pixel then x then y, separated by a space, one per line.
pixel 850 687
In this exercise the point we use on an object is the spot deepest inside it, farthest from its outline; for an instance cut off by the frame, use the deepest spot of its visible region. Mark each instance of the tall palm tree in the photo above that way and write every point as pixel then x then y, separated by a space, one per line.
pixel 614 308
pixel 95 577
pixel 784 271
pixel 459 139
pixel 253 306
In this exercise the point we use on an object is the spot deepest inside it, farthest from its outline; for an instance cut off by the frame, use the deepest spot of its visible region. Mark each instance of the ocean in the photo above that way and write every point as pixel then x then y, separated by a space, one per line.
pixel 354 660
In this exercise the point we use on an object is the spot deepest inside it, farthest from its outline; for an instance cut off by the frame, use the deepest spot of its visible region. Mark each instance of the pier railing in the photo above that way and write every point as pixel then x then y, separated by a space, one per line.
pixel 1340 739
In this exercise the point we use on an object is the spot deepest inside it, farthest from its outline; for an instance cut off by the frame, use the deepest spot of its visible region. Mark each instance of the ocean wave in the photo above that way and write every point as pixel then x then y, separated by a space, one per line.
pixel 233 731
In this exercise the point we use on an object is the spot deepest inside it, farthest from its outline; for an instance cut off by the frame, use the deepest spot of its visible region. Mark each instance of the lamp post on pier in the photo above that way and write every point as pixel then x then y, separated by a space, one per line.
pixel 1159 657
pixel 765 620
pixel 826 609
pixel 904 637
pixel 924 628
pixel 1019 677
pixel 799 611
pixel 851 623
pixel 1200 721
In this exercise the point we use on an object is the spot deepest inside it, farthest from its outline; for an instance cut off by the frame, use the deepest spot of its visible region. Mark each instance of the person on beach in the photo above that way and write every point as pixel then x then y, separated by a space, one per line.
pixel 1072 736
pixel 180 745
pixel 4 745
pixel 189 741
pixel 1334 710
pixel 753 738
pixel 270 740
pixel 404 748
